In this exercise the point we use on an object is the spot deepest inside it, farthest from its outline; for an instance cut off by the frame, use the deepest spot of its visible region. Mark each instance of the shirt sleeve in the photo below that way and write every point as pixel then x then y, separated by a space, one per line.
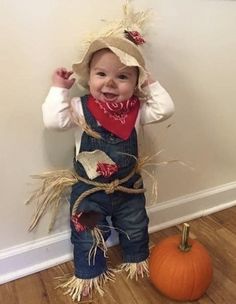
pixel 158 107
pixel 57 109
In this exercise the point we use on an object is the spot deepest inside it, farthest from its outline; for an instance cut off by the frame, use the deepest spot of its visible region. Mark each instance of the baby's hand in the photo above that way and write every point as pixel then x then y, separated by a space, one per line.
pixel 148 81
pixel 61 78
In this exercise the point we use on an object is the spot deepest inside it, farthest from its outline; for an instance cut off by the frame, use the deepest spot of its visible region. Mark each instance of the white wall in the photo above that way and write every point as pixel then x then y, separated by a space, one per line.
pixel 193 56
pixel 196 61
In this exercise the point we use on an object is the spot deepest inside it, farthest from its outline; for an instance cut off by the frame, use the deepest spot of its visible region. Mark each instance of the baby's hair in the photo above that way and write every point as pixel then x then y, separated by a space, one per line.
pixel 96 52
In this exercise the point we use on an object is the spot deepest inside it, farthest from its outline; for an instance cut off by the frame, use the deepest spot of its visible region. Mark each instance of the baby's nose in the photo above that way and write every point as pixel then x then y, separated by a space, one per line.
pixel 110 83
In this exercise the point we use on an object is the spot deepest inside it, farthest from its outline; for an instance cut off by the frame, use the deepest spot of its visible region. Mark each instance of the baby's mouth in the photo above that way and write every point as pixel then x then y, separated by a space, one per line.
pixel 110 96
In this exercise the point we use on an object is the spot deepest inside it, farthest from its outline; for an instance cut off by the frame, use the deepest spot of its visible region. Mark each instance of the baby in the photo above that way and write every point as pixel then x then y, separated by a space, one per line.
pixel 120 98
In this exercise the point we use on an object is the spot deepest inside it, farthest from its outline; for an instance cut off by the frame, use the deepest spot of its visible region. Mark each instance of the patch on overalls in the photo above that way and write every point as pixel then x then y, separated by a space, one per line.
pixel 86 220
pixel 97 163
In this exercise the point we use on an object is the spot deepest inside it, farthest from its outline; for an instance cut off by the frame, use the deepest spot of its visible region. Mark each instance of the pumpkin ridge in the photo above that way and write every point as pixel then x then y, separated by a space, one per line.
pixel 191 294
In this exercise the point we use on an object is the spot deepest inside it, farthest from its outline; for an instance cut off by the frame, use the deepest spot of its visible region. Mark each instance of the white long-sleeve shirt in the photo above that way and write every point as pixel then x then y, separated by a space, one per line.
pixel 57 109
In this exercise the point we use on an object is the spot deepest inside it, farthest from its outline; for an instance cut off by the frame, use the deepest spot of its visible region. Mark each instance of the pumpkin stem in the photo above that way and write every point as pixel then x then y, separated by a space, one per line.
pixel 184 245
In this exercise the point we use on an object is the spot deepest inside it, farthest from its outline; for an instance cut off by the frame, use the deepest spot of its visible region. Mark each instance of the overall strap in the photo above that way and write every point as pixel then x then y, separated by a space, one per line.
pixel 90 120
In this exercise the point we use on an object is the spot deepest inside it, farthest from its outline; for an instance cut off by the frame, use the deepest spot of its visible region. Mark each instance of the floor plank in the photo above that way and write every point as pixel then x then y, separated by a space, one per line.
pixel 31 290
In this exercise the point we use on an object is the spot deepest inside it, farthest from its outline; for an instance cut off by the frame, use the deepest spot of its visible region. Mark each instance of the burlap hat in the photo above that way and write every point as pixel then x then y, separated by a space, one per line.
pixel 124 38
pixel 125 50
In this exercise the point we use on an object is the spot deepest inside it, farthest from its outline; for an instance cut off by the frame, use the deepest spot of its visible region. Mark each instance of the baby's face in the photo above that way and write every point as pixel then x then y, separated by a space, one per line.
pixel 110 80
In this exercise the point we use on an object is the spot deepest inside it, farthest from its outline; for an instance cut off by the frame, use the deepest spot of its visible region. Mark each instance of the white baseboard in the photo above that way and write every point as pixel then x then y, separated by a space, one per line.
pixel 189 207
pixel 31 257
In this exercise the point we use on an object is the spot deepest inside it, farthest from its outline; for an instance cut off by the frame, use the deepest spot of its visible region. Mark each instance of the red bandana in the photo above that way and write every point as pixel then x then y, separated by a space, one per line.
pixel 117 117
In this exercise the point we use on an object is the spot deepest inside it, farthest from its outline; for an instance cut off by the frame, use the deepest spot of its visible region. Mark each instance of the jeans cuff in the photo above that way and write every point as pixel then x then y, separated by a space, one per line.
pixel 89 273
pixel 135 258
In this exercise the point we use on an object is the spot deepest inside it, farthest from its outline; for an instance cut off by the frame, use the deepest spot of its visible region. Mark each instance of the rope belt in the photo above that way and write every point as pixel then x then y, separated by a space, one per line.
pixel 108 188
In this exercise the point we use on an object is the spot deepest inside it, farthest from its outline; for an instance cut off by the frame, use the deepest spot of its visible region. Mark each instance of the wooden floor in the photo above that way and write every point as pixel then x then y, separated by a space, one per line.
pixel 217 232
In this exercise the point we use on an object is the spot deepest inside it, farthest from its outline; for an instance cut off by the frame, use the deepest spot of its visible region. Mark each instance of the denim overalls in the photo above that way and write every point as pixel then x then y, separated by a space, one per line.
pixel 127 211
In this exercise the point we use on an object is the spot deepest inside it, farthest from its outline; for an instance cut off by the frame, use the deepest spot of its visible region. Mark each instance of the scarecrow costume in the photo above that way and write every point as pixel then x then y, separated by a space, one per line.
pixel 106 180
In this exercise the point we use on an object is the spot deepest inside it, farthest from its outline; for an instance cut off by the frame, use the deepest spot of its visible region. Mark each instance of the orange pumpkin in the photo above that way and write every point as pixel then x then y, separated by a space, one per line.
pixel 180 268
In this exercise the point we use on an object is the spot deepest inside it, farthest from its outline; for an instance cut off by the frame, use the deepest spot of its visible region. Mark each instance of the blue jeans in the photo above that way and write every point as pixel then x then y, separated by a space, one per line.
pixel 128 214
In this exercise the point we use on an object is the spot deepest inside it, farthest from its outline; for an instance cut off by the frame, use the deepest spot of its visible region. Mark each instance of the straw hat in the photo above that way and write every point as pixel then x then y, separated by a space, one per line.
pixel 124 38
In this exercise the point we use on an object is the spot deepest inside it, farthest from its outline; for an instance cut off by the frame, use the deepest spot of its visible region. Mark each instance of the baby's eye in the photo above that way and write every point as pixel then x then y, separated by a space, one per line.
pixel 101 74
pixel 123 77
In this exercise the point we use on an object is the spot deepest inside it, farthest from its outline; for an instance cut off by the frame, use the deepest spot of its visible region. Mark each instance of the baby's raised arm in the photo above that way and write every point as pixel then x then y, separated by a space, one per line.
pixel 57 106
pixel 158 107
